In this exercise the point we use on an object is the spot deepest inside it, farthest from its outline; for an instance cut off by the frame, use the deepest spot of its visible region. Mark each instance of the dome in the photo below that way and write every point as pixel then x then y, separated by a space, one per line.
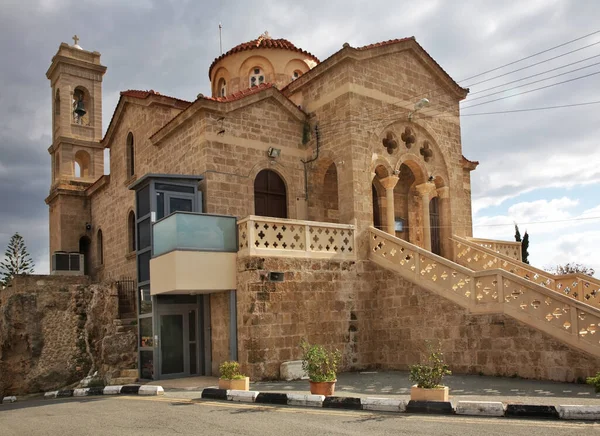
pixel 264 41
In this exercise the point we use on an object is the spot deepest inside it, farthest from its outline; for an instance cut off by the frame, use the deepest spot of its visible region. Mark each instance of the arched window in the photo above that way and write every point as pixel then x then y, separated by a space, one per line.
pixel 81 106
pixel 131 231
pixel 222 87
pixel 57 102
pixel 257 77
pixel 57 165
pixel 130 156
pixel 270 198
pixel 81 165
pixel 296 74
pixel 100 247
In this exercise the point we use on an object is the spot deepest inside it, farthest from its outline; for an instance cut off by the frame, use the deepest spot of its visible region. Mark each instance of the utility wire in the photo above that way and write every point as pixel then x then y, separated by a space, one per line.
pixel 530 56
pixel 534 82
pixel 533 75
pixel 533 90
pixel 537 63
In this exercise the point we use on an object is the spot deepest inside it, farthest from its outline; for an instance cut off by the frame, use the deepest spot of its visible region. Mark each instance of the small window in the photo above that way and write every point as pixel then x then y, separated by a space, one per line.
pixel 57 102
pixel 100 248
pixel 296 74
pixel 257 77
pixel 131 231
pixel 222 87
pixel 130 155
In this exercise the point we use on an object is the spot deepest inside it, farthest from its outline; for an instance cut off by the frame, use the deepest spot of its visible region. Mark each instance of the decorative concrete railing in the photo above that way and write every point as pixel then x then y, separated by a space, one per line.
pixel 492 291
pixel 579 287
pixel 265 236
pixel 507 248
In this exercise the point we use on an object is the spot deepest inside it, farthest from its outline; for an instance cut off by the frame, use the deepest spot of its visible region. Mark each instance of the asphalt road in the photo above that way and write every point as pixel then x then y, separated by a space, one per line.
pixel 167 416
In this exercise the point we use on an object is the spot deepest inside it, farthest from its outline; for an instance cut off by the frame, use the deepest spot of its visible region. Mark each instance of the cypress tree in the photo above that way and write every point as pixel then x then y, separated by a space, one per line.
pixel 524 247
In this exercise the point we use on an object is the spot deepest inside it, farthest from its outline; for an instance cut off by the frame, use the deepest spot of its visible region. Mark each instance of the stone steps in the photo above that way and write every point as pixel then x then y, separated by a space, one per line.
pixel 123 380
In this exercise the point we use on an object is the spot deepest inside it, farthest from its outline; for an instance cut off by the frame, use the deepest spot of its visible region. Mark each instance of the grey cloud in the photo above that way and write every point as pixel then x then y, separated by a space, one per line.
pixel 169 45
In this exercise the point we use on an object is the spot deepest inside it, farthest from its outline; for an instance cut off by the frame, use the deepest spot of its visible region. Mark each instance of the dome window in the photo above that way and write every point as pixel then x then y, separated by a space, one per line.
pixel 296 74
pixel 222 87
pixel 257 77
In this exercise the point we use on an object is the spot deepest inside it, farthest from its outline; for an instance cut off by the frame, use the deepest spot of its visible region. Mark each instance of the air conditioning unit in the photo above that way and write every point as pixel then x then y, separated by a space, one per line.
pixel 67 264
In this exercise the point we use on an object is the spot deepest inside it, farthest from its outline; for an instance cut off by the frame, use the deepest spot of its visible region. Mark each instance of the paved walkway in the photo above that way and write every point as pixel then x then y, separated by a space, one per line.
pixel 395 384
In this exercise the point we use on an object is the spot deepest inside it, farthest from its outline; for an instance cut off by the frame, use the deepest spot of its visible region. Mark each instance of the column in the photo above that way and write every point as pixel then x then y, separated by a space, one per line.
pixel 443 194
pixel 425 190
pixel 389 183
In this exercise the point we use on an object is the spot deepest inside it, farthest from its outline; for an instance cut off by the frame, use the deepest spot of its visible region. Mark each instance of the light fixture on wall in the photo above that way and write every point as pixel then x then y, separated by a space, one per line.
pixel 273 153
pixel 418 106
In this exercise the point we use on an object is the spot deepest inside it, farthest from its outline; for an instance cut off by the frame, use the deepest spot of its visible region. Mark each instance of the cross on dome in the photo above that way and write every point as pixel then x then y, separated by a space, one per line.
pixel 262 37
pixel 75 40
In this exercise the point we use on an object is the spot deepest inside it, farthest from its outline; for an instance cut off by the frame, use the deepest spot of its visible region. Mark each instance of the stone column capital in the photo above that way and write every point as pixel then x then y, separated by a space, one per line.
pixel 389 182
pixel 425 189
pixel 443 192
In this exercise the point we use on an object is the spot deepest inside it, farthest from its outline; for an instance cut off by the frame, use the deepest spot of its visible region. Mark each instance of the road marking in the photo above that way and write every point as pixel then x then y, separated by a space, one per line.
pixel 348 413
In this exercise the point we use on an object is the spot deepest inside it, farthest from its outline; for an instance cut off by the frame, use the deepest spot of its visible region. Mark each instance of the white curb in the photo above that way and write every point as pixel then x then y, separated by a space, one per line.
pixel 112 390
pixel 10 399
pixel 242 396
pixel 151 390
pixel 305 400
pixel 383 404
pixel 480 408
pixel 579 412
pixel 82 392
pixel 51 394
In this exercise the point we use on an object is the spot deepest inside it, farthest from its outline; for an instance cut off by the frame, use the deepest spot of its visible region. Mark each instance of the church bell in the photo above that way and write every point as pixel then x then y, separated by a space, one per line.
pixel 80 109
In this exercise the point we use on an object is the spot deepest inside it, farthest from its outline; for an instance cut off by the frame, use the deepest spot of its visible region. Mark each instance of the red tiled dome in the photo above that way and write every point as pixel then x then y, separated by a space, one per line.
pixel 263 42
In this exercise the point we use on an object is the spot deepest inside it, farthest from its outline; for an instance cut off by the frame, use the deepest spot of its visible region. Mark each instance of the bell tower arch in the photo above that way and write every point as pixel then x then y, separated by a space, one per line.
pixel 77 154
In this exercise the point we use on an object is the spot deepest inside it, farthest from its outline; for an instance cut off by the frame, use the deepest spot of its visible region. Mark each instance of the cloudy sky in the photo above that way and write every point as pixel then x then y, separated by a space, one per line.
pixel 540 169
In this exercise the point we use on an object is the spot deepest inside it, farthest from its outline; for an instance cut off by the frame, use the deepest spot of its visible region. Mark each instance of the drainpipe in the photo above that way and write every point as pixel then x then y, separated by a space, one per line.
pixel 317 134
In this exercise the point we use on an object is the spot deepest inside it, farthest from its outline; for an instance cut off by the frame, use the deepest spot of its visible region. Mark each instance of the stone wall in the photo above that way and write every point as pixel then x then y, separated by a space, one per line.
pixel 380 320
pixel 55 330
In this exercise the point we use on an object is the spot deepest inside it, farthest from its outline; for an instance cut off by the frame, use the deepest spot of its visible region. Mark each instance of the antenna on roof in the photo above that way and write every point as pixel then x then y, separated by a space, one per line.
pixel 220 39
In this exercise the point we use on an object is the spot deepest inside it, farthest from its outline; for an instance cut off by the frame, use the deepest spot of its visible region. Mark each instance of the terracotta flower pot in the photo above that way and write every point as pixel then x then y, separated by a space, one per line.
pixel 322 388
pixel 434 394
pixel 242 384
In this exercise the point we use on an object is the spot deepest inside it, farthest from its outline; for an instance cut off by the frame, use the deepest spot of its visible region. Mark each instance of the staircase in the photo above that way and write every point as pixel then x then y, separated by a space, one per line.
pixel 485 279
pixel 126 377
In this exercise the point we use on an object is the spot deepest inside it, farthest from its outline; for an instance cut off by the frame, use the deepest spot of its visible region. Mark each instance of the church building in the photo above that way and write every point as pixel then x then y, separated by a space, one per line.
pixel 320 199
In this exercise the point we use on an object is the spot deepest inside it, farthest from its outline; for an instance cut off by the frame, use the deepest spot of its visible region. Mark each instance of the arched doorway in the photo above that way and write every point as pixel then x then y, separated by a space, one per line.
pixel 376 208
pixel 434 226
pixel 270 196
pixel 84 248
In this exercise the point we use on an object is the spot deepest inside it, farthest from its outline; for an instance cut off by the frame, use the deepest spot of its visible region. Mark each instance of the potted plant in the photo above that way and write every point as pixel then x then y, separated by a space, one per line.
pixel 231 378
pixel 428 377
pixel 321 366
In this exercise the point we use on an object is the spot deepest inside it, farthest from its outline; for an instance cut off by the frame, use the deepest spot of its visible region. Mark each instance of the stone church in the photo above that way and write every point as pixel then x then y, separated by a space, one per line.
pixel 304 198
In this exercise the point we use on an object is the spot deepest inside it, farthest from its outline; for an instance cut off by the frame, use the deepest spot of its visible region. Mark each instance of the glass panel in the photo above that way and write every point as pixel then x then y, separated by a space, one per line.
pixel 145 300
pixel 188 231
pixel 160 205
pixel 174 188
pixel 192 326
pixel 143 201
pixel 146 337
pixel 147 364
pixel 144 234
pixel 171 340
pixel 176 299
pixel 193 359
pixel 144 267
pixel 180 204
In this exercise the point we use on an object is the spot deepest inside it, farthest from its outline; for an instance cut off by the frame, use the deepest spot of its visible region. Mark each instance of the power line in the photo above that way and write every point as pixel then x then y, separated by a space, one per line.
pixel 536 64
pixel 541 222
pixel 535 81
pixel 533 90
pixel 531 56
pixel 533 75
pixel 532 109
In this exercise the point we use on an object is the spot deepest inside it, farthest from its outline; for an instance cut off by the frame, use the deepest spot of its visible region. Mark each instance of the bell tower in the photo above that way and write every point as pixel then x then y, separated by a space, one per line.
pixel 76 80
pixel 77 154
